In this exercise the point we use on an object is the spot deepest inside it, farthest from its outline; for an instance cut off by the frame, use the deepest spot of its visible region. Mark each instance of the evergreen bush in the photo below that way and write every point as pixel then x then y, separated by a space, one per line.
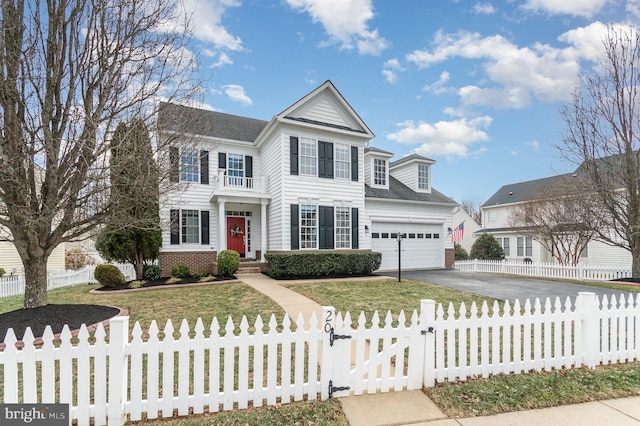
pixel 109 276
pixel 228 263
pixel 322 264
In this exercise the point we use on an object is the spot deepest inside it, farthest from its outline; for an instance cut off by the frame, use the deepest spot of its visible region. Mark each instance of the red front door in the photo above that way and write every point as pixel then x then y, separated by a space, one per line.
pixel 236 234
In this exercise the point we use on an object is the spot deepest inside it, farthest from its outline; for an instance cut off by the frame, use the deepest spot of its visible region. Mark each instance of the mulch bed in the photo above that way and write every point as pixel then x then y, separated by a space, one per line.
pixel 162 282
pixel 54 315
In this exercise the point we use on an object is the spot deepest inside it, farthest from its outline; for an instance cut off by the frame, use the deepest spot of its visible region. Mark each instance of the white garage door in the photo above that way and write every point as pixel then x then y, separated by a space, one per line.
pixel 422 245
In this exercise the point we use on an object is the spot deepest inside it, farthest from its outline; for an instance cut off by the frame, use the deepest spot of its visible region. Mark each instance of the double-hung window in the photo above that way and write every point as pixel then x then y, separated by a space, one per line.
pixel 343 161
pixel 235 171
pixel 525 246
pixel 189 165
pixel 379 172
pixel 423 177
pixel 308 157
pixel 343 227
pixel 190 226
pixel 308 226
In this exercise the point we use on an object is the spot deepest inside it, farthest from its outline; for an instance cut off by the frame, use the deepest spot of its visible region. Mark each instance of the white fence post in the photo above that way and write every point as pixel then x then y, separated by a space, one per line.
pixel 428 325
pixel 326 363
pixel 118 341
pixel 587 305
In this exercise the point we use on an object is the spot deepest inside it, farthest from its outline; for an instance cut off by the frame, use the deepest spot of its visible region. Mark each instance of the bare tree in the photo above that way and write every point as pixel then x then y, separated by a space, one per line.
pixel 602 136
pixel 70 71
pixel 473 210
pixel 560 216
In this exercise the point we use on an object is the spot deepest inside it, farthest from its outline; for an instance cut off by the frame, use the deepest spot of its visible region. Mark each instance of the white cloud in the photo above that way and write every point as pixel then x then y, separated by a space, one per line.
pixel 484 9
pixel 438 87
pixel 515 76
pixel 534 145
pixel 451 138
pixel 237 94
pixel 390 70
pixel 223 59
pixel 345 22
pixel 586 8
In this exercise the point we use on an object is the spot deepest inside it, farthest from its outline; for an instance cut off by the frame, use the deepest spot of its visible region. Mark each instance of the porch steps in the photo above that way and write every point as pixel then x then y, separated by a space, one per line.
pixel 248 270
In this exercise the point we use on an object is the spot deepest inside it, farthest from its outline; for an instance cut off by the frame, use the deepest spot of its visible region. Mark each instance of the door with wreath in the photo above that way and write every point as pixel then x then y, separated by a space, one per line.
pixel 236 232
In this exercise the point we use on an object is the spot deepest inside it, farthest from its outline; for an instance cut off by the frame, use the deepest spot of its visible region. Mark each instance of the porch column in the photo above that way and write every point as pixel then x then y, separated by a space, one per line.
pixel 222 227
pixel 263 229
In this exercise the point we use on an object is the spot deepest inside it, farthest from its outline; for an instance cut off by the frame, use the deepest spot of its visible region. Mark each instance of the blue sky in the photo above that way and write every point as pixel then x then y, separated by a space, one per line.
pixel 475 86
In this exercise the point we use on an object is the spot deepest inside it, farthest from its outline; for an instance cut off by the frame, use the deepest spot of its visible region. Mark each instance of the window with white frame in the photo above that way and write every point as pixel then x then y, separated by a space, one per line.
pixel 308 157
pixel 505 244
pixel 525 246
pixel 342 161
pixel 190 226
pixel 423 176
pixel 343 227
pixel 308 226
pixel 379 171
pixel 189 165
pixel 235 169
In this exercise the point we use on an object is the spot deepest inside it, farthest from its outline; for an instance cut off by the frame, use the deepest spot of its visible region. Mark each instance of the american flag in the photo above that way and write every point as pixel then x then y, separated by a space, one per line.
pixel 458 233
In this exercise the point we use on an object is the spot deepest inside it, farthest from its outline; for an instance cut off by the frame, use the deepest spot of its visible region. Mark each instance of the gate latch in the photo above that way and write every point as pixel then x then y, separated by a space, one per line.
pixel 333 336
pixel 333 389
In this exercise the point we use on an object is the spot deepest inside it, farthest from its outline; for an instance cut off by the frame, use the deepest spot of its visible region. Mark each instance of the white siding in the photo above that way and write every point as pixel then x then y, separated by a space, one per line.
pixel 275 158
pixel 407 174
pixel 324 108
pixel 470 226
pixel 10 259
pixel 496 217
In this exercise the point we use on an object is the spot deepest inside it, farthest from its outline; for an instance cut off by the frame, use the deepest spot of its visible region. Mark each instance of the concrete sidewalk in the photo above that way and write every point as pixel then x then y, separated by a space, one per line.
pixel 415 408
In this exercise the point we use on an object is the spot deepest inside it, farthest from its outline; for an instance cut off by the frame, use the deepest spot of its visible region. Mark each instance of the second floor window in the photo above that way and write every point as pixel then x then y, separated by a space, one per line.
pixel 308 157
pixel 423 176
pixel 235 171
pixel 379 172
pixel 343 161
pixel 189 165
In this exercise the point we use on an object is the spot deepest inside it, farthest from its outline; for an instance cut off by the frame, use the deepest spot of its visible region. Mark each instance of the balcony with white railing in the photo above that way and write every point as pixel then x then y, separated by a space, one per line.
pixel 240 185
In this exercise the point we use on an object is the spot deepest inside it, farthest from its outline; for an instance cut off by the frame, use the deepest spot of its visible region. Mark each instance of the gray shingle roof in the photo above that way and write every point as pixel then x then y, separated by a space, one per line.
pixel 185 119
pixel 374 149
pixel 409 158
pixel 522 191
pixel 399 191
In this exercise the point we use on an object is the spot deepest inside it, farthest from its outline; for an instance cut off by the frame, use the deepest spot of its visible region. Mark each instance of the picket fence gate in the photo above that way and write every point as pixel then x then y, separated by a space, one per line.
pixel 171 372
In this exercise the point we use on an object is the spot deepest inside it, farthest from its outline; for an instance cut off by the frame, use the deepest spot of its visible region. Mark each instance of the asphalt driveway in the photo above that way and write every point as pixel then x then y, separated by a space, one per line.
pixel 504 287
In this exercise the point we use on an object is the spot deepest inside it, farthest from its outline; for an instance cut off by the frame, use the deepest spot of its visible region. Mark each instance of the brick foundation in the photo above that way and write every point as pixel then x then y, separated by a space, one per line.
pixel 449 258
pixel 195 260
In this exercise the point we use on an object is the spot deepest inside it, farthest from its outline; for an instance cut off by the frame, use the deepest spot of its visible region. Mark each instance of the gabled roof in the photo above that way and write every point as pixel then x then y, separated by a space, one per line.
pixel 326 107
pixel 399 191
pixel 375 150
pixel 184 119
pixel 523 191
pixel 409 158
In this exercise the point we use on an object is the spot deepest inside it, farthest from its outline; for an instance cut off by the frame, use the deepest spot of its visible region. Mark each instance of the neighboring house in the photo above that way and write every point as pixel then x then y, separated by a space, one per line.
pixel 469 228
pixel 305 180
pixel 12 264
pixel 496 220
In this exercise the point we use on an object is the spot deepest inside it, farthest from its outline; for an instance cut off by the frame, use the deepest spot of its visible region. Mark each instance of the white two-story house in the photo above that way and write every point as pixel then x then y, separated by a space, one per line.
pixel 305 180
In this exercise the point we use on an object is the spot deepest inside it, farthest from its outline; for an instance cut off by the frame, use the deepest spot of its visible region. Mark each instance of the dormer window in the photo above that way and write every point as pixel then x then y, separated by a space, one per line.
pixel 423 177
pixel 379 172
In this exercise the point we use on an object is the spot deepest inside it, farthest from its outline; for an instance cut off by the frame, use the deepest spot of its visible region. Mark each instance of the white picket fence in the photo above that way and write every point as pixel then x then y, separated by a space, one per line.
pixel 156 374
pixel 546 269
pixel 14 285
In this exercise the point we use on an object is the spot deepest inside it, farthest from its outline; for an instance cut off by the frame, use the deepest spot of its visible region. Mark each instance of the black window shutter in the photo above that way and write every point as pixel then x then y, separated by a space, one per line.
pixel 204 227
pixel 222 160
pixel 295 228
pixel 293 154
pixel 204 167
pixel 325 159
pixel 174 226
pixel 325 226
pixel 354 163
pixel 174 164
pixel 248 161
pixel 354 228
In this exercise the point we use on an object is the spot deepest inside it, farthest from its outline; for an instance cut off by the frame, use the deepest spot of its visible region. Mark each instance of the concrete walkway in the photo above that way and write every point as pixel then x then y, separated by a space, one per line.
pixel 416 409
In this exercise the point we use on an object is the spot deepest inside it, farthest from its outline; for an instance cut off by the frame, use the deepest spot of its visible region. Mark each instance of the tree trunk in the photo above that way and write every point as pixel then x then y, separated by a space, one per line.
pixel 635 257
pixel 35 271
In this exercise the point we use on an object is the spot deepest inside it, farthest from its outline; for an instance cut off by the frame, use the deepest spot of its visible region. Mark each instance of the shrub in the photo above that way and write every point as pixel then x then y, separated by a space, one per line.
pixel 151 272
pixel 200 273
pixel 228 263
pixel 109 275
pixel 77 259
pixel 318 264
pixel 461 253
pixel 180 270
pixel 2 272
pixel 486 247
